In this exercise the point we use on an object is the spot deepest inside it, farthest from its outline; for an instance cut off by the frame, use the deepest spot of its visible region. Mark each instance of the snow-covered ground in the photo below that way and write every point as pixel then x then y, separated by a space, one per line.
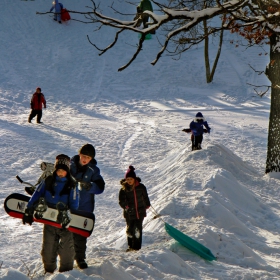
pixel 218 196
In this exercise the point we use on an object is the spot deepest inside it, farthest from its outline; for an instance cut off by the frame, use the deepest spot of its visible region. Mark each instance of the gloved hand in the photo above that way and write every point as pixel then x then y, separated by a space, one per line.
pixel 85 185
pixel 40 208
pixel 28 216
pixel 45 107
pixel 64 218
pixel 130 212
pixel 208 131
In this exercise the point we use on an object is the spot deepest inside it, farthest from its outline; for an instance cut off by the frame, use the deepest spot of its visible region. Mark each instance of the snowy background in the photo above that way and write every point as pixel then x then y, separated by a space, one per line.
pixel 218 196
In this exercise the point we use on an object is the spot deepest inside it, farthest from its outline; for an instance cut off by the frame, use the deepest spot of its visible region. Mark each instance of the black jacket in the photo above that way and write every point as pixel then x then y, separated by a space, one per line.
pixel 134 201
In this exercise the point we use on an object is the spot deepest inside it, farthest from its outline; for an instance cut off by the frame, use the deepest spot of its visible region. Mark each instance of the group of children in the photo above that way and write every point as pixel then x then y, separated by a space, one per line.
pixel 61 187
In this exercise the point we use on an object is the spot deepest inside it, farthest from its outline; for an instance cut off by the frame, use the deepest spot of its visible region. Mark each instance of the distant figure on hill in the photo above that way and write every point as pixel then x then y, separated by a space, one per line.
pixel 57 8
pixel 134 200
pixel 37 100
pixel 197 130
pixel 144 5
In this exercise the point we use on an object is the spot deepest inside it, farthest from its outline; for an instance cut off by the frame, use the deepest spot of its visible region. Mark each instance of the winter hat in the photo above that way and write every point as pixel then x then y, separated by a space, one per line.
pixel 130 172
pixel 199 115
pixel 87 150
pixel 62 162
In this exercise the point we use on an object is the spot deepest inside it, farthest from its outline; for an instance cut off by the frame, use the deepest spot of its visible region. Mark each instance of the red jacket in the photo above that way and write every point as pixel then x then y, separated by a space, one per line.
pixel 37 100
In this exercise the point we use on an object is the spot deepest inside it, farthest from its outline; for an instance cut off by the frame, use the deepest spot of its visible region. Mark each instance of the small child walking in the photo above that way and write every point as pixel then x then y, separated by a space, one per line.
pixel 134 200
pixel 197 130
pixel 36 104
pixel 60 187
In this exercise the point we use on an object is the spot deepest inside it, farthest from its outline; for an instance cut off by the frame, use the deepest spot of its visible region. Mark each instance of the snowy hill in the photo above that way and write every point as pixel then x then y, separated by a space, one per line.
pixel 218 196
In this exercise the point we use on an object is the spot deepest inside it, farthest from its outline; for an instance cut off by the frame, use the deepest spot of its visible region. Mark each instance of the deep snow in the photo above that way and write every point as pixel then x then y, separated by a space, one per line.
pixel 218 196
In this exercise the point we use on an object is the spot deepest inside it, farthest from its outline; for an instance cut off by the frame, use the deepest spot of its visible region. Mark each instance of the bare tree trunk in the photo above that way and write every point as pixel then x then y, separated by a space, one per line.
pixel 273 73
pixel 206 52
pixel 210 73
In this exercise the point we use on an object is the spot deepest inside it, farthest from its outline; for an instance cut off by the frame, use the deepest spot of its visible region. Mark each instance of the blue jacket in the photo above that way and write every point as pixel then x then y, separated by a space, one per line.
pixel 70 198
pixel 197 127
pixel 88 173
pixel 57 6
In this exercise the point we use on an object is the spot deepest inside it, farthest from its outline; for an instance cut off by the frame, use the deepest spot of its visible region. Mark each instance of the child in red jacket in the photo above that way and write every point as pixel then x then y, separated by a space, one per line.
pixel 37 102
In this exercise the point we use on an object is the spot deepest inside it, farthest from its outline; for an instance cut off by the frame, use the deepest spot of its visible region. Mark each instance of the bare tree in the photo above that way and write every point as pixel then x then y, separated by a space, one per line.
pixel 200 30
pixel 256 20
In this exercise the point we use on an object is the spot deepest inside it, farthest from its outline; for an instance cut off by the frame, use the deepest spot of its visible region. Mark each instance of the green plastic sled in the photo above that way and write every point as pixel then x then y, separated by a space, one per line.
pixel 190 243
pixel 147 37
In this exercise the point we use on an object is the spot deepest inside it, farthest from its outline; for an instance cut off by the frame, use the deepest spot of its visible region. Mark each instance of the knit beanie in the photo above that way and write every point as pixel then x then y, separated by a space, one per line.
pixel 62 162
pixel 130 172
pixel 199 115
pixel 87 150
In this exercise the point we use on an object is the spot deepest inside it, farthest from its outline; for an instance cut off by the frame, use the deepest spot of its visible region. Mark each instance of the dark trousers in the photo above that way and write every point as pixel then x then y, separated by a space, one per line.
pixel 145 19
pixel 196 141
pixel 134 233
pixel 80 243
pixel 33 113
pixel 56 242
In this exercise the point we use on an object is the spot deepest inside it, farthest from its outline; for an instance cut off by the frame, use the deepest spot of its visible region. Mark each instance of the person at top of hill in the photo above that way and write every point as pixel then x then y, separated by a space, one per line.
pixel 83 168
pixel 57 10
pixel 144 5
pixel 134 200
pixel 36 104
pixel 196 127
pixel 58 188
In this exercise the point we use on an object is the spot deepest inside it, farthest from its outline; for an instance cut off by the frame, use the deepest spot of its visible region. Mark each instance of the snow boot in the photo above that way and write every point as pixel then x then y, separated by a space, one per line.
pixel 81 263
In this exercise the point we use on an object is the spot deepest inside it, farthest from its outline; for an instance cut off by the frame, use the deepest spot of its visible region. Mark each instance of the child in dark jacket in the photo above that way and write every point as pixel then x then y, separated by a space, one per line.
pixel 196 127
pixel 134 200
pixel 145 5
pixel 84 169
pixel 58 188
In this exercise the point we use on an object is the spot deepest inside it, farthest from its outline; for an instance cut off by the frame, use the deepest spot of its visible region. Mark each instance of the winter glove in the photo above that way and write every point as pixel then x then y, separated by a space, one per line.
pixel 28 216
pixel 130 212
pixel 208 131
pixel 64 215
pixel 45 107
pixel 85 185
pixel 64 218
pixel 40 208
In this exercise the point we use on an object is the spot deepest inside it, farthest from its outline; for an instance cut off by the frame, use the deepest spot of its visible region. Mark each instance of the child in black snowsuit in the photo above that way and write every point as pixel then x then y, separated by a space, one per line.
pixel 134 200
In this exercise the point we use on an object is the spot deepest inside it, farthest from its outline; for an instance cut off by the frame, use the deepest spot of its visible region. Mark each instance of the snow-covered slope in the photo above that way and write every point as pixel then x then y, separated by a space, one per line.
pixel 218 195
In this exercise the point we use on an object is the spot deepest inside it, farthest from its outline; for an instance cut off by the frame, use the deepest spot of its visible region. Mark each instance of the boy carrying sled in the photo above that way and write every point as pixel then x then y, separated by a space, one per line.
pixel 58 188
